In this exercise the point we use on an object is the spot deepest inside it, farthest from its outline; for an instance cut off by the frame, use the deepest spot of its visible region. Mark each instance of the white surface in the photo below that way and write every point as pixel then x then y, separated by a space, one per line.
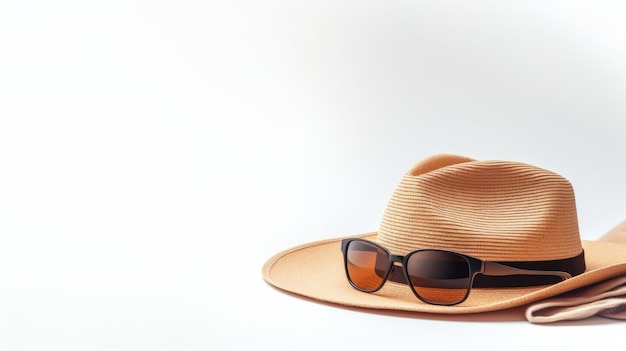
pixel 153 155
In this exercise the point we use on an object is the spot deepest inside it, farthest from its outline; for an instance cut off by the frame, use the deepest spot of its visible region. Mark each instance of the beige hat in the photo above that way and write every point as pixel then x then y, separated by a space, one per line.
pixel 500 211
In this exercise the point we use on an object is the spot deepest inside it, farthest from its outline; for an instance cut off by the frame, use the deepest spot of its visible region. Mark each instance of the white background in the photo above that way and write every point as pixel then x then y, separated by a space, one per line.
pixel 154 154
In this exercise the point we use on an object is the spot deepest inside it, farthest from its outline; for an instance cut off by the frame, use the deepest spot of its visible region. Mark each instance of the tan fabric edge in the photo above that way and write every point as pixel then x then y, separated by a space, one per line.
pixel 617 234
pixel 606 299
pixel 584 303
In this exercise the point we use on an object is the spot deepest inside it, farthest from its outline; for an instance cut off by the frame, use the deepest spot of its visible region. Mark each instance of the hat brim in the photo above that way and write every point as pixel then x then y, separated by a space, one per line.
pixel 315 270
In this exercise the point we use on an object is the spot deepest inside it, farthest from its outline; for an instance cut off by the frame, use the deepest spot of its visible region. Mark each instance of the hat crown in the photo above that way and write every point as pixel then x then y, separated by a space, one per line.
pixel 492 210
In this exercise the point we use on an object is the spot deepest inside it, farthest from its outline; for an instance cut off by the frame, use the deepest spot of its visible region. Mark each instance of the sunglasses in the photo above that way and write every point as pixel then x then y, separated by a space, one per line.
pixel 436 277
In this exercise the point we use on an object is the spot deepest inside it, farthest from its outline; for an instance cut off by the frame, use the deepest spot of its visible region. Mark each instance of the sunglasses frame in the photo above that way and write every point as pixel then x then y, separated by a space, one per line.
pixel 476 266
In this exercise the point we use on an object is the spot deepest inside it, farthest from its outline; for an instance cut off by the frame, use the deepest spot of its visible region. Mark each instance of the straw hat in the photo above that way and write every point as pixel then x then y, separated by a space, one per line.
pixel 493 210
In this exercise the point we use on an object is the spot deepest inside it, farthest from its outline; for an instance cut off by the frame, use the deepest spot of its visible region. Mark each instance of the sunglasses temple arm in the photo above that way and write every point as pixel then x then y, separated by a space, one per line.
pixel 498 269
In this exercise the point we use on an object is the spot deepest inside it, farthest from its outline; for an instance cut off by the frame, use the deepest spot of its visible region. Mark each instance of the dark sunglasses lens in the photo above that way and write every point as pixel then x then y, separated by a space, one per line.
pixel 366 265
pixel 439 277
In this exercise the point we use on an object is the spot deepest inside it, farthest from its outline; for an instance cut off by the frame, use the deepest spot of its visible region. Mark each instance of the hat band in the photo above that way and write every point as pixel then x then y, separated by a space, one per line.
pixel 573 265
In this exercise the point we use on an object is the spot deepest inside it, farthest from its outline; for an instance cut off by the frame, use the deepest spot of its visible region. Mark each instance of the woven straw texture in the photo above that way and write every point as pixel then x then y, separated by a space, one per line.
pixel 493 210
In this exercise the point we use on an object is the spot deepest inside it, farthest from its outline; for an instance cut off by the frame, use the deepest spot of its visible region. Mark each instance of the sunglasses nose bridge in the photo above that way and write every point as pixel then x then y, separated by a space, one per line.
pixel 397 273
pixel 396 258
